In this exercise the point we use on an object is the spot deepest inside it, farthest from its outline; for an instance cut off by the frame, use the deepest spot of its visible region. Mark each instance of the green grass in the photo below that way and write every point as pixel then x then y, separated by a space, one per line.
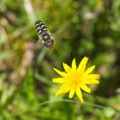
pixel 81 28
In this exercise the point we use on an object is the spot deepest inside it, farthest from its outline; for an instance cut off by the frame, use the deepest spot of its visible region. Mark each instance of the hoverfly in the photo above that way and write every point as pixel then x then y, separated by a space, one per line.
pixel 43 33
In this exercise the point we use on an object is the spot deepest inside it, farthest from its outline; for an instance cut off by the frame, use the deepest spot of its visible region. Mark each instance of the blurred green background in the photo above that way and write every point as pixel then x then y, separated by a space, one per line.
pixel 81 28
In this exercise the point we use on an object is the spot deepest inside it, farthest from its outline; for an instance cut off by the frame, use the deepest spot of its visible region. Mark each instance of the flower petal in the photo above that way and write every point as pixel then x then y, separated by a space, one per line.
pixel 85 88
pixel 93 76
pixel 79 94
pixel 91 82
pixel 82 65
pixel 89 70
pixel 74 64
pixel 72 91
pixel 90 77
pixel 63 89
pixel 63 74
pixel 67 68
pixel 59 80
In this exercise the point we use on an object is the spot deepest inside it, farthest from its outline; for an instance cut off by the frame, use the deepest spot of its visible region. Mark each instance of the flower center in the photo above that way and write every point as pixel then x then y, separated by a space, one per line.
pixel 75 80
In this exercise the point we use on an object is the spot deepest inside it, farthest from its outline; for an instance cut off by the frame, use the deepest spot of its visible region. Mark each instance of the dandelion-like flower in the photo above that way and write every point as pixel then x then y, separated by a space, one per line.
pixel 76 78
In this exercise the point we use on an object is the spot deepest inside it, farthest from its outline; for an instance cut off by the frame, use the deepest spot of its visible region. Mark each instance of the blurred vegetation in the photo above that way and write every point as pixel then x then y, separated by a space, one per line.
pixel 81 28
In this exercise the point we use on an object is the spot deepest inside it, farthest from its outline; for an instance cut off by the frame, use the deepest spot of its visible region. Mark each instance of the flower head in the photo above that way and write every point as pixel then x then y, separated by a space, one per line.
pixel 76 78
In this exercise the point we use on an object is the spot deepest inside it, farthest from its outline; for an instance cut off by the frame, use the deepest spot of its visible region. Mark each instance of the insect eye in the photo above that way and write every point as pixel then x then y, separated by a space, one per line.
pixel 49 43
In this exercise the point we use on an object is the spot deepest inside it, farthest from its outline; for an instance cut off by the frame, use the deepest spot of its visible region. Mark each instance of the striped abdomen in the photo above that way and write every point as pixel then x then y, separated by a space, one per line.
pixel 40 27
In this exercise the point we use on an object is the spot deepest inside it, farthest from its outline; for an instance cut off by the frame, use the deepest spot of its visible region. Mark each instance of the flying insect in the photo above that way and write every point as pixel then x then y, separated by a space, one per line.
pixel 43 33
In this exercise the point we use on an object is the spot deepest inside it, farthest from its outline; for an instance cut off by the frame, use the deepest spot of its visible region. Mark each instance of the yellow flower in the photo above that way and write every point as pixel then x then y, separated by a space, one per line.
pixel 74 79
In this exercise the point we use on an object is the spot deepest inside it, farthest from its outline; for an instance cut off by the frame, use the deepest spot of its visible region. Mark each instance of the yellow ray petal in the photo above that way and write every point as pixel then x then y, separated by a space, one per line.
pixel 89 70
pixel 67 68
pixel 59 80
pixel 63 89
pixel 71 93
pixel 90 77
pixel 79 94
pixel 74 64
pixel 91 82
pixel 82 65
pixel 85 88
pixel 94 76
pixel 63 74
